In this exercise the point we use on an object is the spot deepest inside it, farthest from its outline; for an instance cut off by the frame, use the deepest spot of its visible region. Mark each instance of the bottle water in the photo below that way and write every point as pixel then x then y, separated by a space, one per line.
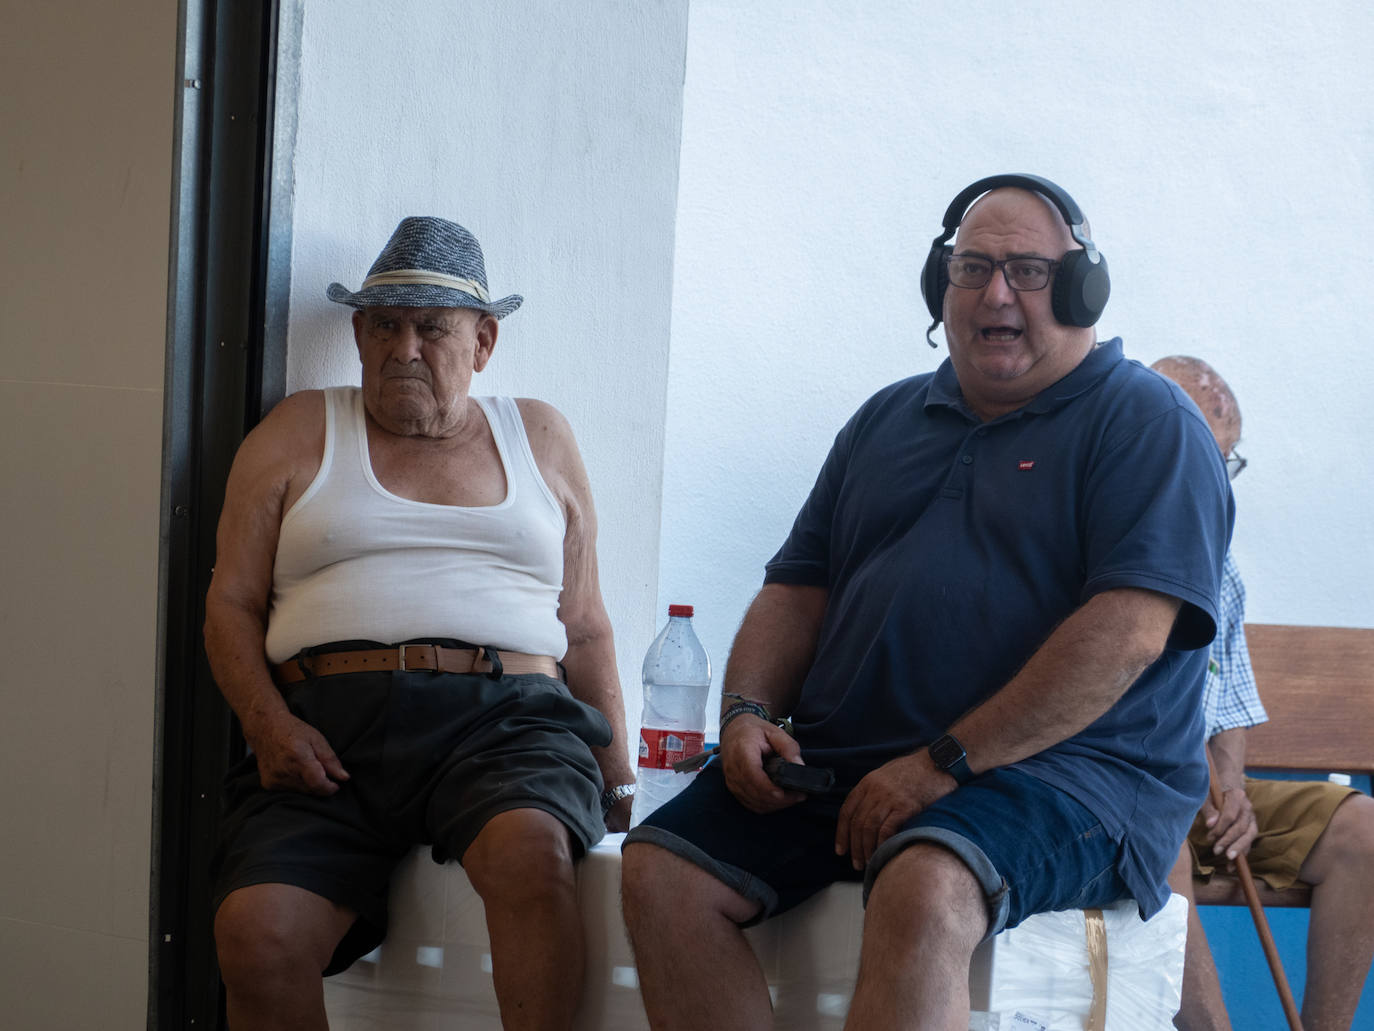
pixel 677 679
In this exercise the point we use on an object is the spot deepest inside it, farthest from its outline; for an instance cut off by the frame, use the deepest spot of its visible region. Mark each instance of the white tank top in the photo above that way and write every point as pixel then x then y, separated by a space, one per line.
pixel 356 562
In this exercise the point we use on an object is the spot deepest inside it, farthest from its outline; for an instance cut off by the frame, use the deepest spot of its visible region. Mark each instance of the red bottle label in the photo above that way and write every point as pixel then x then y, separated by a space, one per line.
pixel 659 749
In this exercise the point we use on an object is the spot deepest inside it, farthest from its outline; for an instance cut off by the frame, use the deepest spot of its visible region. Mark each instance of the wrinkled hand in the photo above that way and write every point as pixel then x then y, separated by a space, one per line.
pixel 884 800
pixel 294 756
pixel 1231 829
pixel 746 742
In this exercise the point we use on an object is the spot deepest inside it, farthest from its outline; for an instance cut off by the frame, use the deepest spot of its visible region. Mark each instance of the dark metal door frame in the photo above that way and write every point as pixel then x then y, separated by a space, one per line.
pixel 226 360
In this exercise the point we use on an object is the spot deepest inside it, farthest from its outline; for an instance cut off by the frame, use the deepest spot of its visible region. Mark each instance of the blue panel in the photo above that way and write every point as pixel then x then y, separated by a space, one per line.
pixel 1251 998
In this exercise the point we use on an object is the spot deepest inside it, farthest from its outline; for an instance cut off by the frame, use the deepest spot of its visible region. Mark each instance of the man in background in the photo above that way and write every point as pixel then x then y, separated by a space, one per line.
pixel 1312 831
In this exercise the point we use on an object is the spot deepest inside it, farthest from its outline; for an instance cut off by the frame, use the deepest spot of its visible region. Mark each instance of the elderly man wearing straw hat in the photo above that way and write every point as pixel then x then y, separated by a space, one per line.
pixel 406 618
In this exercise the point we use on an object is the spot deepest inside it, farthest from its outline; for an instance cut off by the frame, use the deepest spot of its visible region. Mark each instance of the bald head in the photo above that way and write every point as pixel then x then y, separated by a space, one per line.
pixel 1009 199
pixel 1209 392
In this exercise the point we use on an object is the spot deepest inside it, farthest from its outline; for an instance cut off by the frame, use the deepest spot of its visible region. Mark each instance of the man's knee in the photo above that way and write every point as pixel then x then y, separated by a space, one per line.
pixel 653 878
pixel 648 874
pixel 1358 812
pixel 270 933
pixel 521 855
pixel 930 893
pixel 1349 837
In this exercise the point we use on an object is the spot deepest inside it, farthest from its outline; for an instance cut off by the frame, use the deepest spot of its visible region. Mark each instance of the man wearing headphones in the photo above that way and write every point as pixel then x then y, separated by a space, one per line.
pixel 990 621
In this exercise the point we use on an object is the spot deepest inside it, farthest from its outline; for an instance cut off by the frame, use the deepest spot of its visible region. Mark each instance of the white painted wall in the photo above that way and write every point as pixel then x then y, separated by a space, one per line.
pixel 1223 152
pixel 551 131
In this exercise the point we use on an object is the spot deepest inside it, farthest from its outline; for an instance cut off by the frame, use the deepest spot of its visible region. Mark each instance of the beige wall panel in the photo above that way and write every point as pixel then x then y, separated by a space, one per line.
pixel 79 615
pixel 86 123
pixel 58 979
pixel 86 101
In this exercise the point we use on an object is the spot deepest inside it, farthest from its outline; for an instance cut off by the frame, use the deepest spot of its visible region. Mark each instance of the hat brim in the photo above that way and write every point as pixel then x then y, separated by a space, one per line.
pixel 415 296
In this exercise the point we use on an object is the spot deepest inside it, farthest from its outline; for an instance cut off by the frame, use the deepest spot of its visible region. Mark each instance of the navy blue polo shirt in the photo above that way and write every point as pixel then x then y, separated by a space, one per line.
pixel 951 549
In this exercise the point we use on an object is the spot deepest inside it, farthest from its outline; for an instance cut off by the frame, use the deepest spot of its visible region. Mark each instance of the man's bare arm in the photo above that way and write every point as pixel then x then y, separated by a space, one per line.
pixel 1227 749
pixel 1080 671
pixel 1232 829
pixel 590 659
pixel 772 653
pixel 270 470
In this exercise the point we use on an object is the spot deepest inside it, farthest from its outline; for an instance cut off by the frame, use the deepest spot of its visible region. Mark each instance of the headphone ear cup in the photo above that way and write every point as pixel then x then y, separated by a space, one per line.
pixel 934 280
pixel 1081 288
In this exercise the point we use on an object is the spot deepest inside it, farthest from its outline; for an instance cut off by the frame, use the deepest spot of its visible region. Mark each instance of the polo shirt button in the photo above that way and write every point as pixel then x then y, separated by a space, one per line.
pixel 981 432
pixel 967 459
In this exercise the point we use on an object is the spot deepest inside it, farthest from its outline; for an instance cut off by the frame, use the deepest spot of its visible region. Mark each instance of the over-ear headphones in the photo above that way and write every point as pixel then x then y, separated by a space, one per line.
pixel 1081 285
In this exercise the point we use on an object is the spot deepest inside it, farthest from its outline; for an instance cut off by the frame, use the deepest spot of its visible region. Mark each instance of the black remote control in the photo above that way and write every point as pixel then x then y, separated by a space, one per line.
pixel 796 777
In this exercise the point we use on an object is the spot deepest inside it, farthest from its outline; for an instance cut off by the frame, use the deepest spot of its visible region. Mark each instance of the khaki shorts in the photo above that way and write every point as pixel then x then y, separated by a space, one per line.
pixel 1291 815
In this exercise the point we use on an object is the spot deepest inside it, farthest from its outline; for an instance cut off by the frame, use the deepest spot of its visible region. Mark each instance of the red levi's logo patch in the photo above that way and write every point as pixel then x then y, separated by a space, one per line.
pixel 1026 464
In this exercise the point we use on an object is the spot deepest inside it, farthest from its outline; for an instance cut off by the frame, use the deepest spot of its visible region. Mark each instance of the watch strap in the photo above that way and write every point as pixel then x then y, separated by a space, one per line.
pixel 611 796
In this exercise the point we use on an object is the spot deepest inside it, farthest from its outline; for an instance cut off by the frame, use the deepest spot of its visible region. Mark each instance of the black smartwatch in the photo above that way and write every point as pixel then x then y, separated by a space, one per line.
pixel 950 757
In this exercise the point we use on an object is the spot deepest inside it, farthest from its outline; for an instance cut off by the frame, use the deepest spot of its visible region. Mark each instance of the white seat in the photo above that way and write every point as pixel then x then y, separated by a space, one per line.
pixel 434 970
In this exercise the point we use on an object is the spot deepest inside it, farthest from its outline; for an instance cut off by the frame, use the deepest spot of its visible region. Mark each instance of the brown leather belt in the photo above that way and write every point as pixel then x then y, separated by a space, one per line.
pixel 413 657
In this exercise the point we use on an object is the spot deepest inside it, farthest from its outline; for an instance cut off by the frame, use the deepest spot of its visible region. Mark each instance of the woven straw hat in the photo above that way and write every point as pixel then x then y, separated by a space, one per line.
pixel 429 262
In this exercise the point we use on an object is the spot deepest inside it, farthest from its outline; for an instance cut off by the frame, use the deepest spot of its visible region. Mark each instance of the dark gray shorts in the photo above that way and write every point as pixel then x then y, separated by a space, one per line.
pixel 432 758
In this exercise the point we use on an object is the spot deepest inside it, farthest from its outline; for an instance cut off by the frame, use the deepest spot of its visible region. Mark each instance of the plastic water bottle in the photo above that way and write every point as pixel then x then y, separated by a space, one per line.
pixel 677 679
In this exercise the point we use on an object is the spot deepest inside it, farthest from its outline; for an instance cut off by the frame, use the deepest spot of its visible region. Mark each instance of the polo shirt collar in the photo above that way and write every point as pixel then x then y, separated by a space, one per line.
pixel 945 391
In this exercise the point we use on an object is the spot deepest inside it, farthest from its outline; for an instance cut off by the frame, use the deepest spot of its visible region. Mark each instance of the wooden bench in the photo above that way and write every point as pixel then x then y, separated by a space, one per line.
pixel 1317 684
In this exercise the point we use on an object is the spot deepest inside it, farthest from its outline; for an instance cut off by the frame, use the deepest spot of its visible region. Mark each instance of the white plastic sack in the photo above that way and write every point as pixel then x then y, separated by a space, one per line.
pixel 1038 976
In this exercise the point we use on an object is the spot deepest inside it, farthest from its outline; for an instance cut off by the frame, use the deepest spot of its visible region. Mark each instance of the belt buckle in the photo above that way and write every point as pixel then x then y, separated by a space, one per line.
pixel 401 656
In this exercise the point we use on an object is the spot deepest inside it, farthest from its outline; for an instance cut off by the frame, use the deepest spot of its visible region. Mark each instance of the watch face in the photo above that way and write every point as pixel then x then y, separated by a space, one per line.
pixel 946 752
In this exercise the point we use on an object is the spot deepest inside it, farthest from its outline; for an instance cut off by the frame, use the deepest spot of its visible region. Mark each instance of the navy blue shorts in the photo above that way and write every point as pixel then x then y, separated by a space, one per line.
pixel 432 757
pixel 1033 848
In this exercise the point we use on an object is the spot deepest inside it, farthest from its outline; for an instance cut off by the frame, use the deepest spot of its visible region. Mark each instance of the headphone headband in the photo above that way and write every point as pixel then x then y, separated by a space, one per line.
pixel 1068 208
pixel 1081 285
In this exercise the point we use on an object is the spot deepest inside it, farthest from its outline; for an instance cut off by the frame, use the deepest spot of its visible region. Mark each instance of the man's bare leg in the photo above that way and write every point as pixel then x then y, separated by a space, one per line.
pixel 696 968
pixel 1202 1007
pixel 521 866
pixel 274 941
pixel 926 914
pixel 1340 935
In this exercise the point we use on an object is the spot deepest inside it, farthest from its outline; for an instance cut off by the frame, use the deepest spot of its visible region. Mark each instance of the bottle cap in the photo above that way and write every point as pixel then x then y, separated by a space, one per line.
pixel 680 610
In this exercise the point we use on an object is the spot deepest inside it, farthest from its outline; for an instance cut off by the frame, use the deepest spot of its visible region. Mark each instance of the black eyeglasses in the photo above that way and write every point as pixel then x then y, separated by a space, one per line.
pixel 1235 464
pixel 970 271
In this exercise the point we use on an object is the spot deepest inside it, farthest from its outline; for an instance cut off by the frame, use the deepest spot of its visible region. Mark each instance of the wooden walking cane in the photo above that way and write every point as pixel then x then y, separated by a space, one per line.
pixel 1247 885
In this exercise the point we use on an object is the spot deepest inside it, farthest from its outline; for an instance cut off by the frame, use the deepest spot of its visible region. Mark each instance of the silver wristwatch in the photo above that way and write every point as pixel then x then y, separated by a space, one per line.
pixel 611 796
